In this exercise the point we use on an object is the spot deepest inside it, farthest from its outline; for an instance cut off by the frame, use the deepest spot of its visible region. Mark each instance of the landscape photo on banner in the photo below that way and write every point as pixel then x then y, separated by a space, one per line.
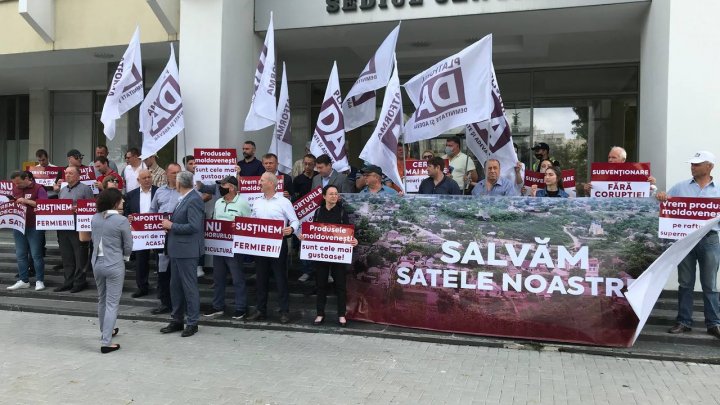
pixel 535 268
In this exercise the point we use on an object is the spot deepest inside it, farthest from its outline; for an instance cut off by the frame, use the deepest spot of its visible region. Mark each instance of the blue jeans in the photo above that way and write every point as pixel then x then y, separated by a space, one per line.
pixel 221 265
pixel 706 254
pixel 32 242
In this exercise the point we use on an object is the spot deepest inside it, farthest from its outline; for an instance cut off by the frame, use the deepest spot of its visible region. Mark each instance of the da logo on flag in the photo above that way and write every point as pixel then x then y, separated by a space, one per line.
pixel 330 126
pixel 441 93
pixel 166 106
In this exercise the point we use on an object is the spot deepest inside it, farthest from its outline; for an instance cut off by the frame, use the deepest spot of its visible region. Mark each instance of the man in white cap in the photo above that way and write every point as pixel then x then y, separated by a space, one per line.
pixel 706 253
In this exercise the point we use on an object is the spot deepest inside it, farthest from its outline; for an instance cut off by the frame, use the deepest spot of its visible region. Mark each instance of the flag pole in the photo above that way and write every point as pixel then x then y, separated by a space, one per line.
pixel 404 167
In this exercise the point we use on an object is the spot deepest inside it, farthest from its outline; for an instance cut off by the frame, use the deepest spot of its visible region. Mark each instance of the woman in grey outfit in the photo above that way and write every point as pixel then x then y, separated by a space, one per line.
pixel 113 244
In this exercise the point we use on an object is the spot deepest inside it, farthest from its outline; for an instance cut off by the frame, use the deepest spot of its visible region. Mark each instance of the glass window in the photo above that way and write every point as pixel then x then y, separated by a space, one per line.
pixel 585 81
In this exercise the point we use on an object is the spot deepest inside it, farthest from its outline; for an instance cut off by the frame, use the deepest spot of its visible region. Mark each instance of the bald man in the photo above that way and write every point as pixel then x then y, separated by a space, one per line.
pixel 138 202
pixel 617 154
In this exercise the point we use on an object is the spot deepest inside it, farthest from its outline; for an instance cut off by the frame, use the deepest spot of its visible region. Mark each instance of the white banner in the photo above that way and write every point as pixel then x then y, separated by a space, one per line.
pixel 359 105
pixel 219 238
pixel 381 148
pixel 258 236
pixel 161 114
pixel 126 88
pixel 281 144
pixel 12 216
pixel 329 136
pixel 262 107
pixel 452 93
pixel 491 139
pixel 643 293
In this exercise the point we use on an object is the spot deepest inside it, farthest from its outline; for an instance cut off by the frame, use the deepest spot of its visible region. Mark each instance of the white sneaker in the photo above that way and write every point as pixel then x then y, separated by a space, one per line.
pixel 200 272
pixel 20 284
pixel 330 279
pixel 39 286
pixel 305 277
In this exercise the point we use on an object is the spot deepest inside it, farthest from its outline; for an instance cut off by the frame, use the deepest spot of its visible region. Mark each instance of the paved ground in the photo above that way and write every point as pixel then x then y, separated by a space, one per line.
pixel 56 359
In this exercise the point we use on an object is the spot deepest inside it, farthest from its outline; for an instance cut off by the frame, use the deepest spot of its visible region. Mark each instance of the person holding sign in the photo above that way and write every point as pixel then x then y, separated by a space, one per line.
pixel 273 205
pixel 184 245
pixel 331 212
pixel 437 182
pixel 112 238
pixel 705 255
pixel 270 163
pixel 553 185
pixel 27 192
pixel 226 209
pixel 617 154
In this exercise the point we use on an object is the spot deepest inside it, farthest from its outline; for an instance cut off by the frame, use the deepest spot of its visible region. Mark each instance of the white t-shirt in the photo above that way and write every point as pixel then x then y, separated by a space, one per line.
pixel 130 175
pixel 461 164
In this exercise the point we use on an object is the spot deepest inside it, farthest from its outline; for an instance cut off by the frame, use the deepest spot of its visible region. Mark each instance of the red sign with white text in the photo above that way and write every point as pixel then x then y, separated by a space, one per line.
pixel 219 238
pixel 679 216
pixel 258 237
pixel 12 216
pixel 214 164
pixel 147 231
pixel 327 242
pixel 249 188
pixel 537 178
pixel 85 211
pixel 45 176
pixel 55 215
pixel 621 180
pixel 305 206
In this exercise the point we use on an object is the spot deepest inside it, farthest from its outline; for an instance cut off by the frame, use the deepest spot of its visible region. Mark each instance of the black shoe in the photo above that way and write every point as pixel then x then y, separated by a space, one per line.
pixel 172 327
pixel 715 331
pixel 139 293
pixel 680 328
pixel 239 315
pixel 108 349
pixel 212 312
pixel 162 309
pixel 64 287
pixel 79 288
pixel 284 317
pixel 189 331
pixel 257 316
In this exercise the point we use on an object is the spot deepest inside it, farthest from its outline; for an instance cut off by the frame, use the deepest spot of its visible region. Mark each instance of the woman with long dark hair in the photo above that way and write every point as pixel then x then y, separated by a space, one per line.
pixel 112 241
pixel 331 211
pixel 553 184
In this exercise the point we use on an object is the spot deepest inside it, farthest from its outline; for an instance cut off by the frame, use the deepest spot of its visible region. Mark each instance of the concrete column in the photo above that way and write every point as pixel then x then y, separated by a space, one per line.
pixel 39 124
pixel 218 56
pixel 679 104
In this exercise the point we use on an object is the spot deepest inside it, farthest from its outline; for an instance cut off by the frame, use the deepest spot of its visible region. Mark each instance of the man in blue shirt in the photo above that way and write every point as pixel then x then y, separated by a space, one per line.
pixel 706 253
pixel 493 184
pixel 373 181
pixel 437 182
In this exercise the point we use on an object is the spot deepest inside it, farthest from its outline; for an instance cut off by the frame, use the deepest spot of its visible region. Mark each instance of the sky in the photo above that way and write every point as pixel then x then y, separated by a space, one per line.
pixel 555 120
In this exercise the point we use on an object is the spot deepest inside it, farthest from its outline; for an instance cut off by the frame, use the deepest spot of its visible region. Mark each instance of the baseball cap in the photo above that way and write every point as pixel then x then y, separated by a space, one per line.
pixel 702 156
pixel 540 145
pixel 228 179
pixel 75 153
pixel 371 169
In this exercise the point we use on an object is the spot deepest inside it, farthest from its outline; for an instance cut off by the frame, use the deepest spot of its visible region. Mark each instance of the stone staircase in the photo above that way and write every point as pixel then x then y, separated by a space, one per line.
pixel 653 343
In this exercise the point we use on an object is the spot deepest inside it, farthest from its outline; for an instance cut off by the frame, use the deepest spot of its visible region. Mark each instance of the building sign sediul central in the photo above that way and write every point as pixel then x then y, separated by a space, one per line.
pixel 335 6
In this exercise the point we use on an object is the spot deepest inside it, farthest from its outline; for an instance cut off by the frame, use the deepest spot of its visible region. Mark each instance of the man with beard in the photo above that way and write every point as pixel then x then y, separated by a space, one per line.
pixel 250 166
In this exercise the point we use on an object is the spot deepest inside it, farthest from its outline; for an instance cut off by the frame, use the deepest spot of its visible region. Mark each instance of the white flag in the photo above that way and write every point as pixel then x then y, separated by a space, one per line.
pixel 329 136
pixel 492 138
pixel 281 144
pixel 359 104
pixel 126 88
pixel 452 93
pixel 381 149
pixel 262 106
pixel 161 114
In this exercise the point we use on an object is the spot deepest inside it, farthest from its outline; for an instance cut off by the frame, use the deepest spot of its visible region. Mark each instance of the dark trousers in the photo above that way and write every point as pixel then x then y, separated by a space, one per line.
pixel 163 286
pixel 184 291
pixel 338 271
pixel 74 256
pixel 263 267
pixel 142 269
pixel 221 266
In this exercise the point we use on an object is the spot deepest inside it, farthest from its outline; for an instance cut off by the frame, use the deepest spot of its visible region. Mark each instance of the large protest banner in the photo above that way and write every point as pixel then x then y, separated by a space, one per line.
pixel 12 216
pixel 147 231
pixel 535 268
pixel 679 216
pixel 214 164
pixel 55 215
pixel 622 180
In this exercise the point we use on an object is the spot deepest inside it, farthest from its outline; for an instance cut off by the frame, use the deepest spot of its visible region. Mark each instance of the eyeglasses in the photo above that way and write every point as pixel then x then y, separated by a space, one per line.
pixel 427 156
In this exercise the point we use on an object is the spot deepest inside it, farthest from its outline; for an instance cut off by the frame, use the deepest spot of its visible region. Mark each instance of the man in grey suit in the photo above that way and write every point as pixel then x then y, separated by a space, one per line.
pixel 327 175
pixel 184 244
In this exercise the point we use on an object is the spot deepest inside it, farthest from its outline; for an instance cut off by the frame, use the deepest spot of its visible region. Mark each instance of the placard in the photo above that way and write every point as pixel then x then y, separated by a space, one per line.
pixel 45 176
pixel 214 164
pixel 84 213
pixel 147 231
pixel 6 188
pixel 327 242
pixel 416 171
pixel 258 237
pixel 58 215
pixel 12 216
pixel 305 206
pixel 537 178
pixel 620 180
pixel 87 177
pixel 249 188
pixel 681 215
pixel 219 238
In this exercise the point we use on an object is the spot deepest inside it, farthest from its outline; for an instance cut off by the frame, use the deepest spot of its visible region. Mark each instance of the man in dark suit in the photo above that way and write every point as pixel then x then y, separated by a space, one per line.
pixel 184 244
pixel 327 175
pixel 138 201
pixel 270 163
